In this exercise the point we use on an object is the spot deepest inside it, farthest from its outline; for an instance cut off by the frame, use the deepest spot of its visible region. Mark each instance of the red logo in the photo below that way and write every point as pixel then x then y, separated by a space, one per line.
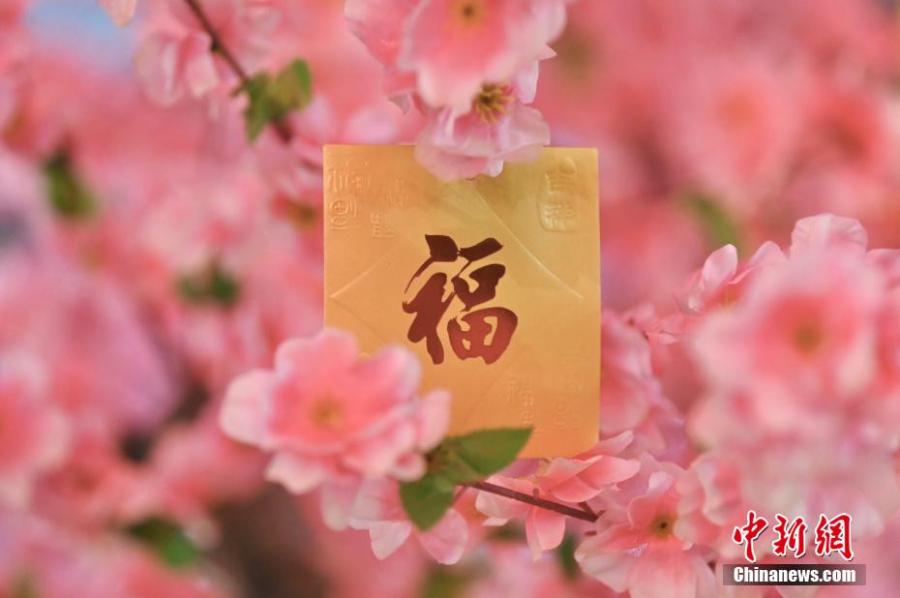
pixel 749 533
pixel 831 536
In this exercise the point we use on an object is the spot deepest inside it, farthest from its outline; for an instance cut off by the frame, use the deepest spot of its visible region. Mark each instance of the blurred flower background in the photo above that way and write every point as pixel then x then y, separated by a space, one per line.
pixel 161 256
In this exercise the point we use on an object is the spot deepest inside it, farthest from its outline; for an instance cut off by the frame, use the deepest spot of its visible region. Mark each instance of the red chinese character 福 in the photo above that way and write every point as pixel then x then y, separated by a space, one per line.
pixel 473 333
pixel 749 533
pixel 833 535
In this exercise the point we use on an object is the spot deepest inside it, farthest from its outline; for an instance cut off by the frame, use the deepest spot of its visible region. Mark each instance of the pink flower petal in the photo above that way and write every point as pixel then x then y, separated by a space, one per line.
pixel 325 355
pixel 668 574
pixel 610 470
pixel 768 254
pixel 828 230
pixel 609 566
pixel 447 540
pixel 388 536
pixel 375 456
pixel 621 537
pixel 157 63
pixel 15 491
pixel 296 474
pixel 337 499
pixel 544 530
pixel 198 66
pixel 409 467
pixel 718 269
pixel 393 374
pixel 379 25
pixel 497 507
pixel 575 490
pixel 245 407
pixel 561 469
pixel 615 444
pixel 56 436
pixel 888 261
pixel 120 11
pixel 434 419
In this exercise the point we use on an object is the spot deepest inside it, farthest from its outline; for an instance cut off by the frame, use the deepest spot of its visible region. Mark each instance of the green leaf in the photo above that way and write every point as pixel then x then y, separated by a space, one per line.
pixel 168 540
pixel 272 99
pixel 447 582
pixel 66 192
pixel 292 88
pixel 510 532
pixel 426 500
pixel 259 111
pixel 212 286
pixel 718 226
pixel 459 460
pixel 477 455
pixel 565 557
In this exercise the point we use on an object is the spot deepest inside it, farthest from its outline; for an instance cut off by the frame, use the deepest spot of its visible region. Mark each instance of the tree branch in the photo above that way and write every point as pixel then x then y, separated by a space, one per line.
pixel 219 47
pixel 587 509
pixel 541 503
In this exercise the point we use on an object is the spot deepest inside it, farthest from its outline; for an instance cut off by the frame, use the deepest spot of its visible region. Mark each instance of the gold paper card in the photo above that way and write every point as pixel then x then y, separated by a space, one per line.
pixel 493 282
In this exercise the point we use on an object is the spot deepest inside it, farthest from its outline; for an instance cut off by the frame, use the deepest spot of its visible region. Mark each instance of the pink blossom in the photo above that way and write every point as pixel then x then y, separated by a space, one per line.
pixel 336 553
pixel 328 37
pixel 515 573
pixel 711 503
pixel 633 398
pixel 637 268
pixel 732 130
pixel 120 11
pixel 175 58
pixel 12 11
pixel 90 487
pixel 576 480
pixel 35 434
pixel 805 329
pixel 331 417
pixel 377 509
pixel 172 66
pixel 844 163
pixel 475 66
pixel 880 556
pixel 59 561
pixel 192 467
pixel 497 128
pixel 798 385
pixel 638 548
pixel 770 381
pixel 381 25
pixel 720 280
pixel 100 363
pixel 454 47
pixel 827 231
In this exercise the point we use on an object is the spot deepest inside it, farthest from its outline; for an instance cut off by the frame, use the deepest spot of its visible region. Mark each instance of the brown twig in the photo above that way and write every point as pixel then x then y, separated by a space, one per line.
pixel 218 45
pixel 587 509
pixel 282 128
pixel 550 505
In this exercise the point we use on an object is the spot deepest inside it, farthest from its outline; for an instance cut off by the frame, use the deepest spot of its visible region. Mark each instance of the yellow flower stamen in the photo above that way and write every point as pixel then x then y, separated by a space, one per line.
pixel 662 526
pixel 326 413
pixel 469 12
pixel 492 102
pixel 808 337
